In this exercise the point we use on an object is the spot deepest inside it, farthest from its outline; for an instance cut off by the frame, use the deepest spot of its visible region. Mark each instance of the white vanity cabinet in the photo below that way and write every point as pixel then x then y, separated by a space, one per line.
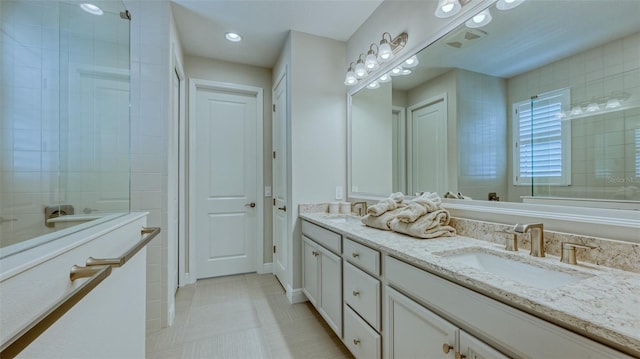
pixel 322 273
pixel 507 329
pixel 413 331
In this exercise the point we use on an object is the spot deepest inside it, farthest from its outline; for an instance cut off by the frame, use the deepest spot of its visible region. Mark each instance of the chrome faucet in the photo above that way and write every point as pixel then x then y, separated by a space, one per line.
pixel 537 237
pixel 362 207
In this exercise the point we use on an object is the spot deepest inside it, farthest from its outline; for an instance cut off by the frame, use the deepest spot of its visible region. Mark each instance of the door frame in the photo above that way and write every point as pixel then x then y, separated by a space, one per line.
pixel 445 136
pixel 194 85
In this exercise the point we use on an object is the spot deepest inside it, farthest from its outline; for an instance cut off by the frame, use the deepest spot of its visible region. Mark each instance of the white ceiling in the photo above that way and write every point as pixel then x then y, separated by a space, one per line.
pixel 264 25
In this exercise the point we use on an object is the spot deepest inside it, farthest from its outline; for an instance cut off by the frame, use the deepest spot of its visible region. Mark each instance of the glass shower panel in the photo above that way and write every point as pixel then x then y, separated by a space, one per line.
pixel 94 110
pixel 64 114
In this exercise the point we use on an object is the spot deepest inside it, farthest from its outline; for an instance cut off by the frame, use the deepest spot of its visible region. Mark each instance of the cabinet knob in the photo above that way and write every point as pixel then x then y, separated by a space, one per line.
pixel 446 348
pixel 356 341
pixel 460 355
pixel 355 255
pixel 356 293
pixel 315 254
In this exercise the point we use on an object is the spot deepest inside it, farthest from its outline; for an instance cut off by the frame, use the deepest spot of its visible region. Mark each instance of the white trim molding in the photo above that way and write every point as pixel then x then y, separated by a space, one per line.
pixel 295 295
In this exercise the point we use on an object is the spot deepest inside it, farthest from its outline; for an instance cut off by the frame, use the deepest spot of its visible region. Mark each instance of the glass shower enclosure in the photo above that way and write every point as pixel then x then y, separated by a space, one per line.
pixel 64 110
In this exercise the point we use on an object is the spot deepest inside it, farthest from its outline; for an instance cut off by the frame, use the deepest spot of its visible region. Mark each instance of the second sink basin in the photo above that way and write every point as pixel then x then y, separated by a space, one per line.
pixel 343 218
pixel 517 270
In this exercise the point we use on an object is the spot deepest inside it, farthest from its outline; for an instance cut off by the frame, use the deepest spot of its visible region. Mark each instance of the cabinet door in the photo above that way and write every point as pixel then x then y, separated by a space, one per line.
pixel 412 331
pixel 310 274
pixel 331 289
pixel 473 348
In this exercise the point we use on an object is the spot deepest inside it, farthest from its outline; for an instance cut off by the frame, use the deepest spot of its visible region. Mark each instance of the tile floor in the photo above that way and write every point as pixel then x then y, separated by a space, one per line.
pixel 243 316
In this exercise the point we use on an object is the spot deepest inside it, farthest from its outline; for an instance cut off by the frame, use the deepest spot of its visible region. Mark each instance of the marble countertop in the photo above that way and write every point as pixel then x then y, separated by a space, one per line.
pixel 604 306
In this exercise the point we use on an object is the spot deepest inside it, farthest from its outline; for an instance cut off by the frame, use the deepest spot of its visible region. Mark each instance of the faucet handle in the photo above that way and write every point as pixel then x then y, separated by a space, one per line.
pixel 511 241
pixel 568 251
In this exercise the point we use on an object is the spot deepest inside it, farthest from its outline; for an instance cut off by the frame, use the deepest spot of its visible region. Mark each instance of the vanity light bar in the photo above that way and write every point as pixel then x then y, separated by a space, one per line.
pixel 375 56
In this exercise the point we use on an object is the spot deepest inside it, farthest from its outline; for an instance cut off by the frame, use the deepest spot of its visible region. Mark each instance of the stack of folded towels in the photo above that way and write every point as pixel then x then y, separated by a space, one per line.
pixel 421 217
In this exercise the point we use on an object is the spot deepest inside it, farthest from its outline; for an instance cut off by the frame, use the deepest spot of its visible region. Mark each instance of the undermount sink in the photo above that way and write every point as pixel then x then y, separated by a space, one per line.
pixel 517 270
pixel 343 218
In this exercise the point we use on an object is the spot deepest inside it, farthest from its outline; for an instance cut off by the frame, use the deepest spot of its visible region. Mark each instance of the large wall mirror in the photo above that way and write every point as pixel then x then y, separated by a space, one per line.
pixel 540 103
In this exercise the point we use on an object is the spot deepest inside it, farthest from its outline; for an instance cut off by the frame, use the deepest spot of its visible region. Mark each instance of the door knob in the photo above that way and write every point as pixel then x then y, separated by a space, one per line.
pixel 283 208
pixel 252 205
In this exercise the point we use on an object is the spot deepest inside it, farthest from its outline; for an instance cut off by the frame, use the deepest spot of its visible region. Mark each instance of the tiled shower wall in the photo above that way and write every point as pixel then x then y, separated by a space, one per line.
pixel 605 149
pixel 30 117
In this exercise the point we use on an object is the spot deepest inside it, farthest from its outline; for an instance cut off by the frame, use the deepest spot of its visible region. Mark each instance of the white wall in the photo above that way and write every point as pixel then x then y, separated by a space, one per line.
pixel 318 129
pixel 372 141
pixel 150 74
pixel 222 71
pixel 482 134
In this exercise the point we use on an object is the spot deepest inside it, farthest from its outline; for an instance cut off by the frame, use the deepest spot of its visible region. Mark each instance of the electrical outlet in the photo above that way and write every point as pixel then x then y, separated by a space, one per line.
pixel 339 194
pixel 267 191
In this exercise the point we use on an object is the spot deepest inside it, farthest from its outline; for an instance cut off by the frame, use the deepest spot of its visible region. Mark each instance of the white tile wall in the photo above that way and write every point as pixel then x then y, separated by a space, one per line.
pixel 604 149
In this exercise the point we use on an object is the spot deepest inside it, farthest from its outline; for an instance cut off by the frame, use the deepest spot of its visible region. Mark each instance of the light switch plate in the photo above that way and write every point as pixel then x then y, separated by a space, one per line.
pixel 267 191
pixel 339 194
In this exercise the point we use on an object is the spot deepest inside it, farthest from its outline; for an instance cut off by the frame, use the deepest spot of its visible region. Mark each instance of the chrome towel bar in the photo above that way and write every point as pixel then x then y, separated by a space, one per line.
pixel 150 233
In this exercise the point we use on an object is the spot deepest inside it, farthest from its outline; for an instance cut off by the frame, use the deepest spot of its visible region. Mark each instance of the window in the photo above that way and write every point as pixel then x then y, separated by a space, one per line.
pixel 542 140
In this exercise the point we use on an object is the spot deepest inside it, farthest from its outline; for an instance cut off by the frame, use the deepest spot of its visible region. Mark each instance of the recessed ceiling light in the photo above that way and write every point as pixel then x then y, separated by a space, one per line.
pixel 233 37
pixel 91 9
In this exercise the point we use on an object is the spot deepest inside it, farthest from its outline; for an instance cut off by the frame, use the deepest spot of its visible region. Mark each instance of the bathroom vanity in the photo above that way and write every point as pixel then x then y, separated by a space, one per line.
pixel 462 297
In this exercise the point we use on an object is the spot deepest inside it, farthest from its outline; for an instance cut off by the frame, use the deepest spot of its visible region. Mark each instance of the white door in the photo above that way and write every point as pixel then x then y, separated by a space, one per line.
pixel 399 149
pixel 280 180
pixel 225 194
pixel 428 149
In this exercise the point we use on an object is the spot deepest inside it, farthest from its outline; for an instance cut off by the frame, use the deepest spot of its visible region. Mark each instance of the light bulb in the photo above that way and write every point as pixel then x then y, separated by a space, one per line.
pixel 411 62
pixel 91 9
pixel 405 72
pixel 593 107
pixel 612 103
pixel 374 85
pixel 481 19
pixel 360 70
pixel 396 71
pixel 508 4
pixel 576 110
pixel 350 79
pixel 384 78
pixel 448 8
pixel 233 37
pixel 384 51
pixel 371 61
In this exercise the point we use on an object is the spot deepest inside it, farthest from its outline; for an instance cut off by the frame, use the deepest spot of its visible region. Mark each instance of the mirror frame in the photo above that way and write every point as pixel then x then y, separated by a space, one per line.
pixel 597 222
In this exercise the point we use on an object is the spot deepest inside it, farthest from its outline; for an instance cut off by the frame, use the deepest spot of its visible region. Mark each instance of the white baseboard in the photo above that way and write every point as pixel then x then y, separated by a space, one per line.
pixel 266 268
pixel 295 295
pixel 172 314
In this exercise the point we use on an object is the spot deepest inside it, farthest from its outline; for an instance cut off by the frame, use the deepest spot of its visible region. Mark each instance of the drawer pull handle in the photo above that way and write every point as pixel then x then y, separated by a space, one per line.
pixel 356 341
pixel 446 348
pixel 460 356
pixel 356 293
pixel 355 255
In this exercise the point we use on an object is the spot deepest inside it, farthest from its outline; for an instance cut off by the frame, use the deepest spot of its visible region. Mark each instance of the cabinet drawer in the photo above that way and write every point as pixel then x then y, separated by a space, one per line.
pixel 324 237
pixel 362 341
pixel 362 256
pixel 362 293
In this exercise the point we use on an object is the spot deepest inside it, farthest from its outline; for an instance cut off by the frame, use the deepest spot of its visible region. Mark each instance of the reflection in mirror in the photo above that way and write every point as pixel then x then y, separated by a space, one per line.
pixel 64 162
pixel 541 102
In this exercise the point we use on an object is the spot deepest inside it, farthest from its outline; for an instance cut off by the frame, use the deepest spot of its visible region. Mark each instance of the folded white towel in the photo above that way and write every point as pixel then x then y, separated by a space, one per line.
pixel 394 201
pixel 382 221
pixel 412 212
pixel 431 225
pixel 431 201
